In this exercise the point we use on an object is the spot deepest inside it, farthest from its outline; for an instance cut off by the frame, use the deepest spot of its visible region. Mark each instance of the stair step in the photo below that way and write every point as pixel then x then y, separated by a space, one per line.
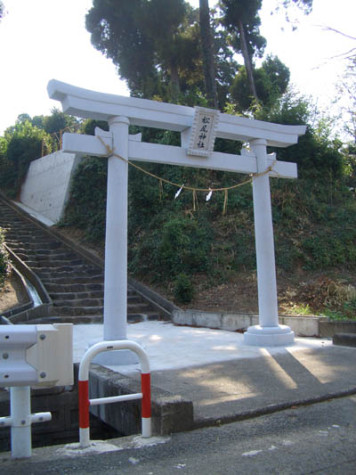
pixel 72 280
pixel 50 273
pixel 137 307
pixel 75 320
pixel 54 263
pixel 74 287
pixel 98 294
pixel 73 311
pixel 133 298
pixel 49 253
pixel 143 317
pixel 87 302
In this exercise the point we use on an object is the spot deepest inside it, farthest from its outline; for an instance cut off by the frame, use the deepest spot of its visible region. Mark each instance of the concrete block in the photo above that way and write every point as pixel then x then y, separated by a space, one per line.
pixel 206 319
pixel 233 322
pixel 328 328
pixel 171 413
pixel 181 317
pixel 302 326
pixel 345 339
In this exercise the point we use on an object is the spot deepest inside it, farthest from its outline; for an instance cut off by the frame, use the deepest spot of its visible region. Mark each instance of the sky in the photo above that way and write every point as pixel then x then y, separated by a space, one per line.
pixel 42 40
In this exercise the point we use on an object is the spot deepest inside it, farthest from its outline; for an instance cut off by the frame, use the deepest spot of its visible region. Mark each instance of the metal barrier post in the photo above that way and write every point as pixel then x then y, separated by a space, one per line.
pixel 20 400
pixel 83 388
pixel 30 358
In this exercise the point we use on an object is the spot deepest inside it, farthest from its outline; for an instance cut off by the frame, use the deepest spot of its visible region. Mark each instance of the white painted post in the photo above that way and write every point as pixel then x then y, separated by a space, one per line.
pixel 21 441
pixel 266 271
pixel 115 286
pixel 268 332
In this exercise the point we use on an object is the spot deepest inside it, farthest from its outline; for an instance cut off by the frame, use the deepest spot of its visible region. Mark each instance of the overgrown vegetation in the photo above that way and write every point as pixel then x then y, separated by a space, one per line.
pixel 4 260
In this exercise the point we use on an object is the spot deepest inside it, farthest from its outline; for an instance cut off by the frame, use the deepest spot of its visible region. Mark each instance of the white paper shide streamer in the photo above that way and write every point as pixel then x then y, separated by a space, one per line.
pixel 178 192
pixel 208 196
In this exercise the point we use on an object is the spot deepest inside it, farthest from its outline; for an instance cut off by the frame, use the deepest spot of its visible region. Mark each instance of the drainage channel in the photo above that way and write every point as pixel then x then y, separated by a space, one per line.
pixel 34 295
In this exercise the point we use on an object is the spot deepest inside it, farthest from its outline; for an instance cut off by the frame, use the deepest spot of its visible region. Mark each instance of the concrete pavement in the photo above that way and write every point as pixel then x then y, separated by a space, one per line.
pixel 225 380
pixel 232 390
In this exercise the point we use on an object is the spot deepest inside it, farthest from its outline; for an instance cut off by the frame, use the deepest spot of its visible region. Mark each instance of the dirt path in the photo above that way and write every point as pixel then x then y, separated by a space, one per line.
pixel 12 294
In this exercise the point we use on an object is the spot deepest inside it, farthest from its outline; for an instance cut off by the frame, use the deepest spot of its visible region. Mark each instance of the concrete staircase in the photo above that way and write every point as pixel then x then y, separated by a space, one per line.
pixel 74 284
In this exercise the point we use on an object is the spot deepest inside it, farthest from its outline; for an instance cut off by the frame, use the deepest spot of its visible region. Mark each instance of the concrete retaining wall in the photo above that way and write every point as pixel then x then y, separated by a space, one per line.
pixel 170 412
pixel 46 188
pixel 302 326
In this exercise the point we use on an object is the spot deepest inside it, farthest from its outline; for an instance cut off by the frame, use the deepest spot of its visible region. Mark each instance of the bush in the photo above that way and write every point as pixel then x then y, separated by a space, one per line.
pixel 185 246
pixel 183 289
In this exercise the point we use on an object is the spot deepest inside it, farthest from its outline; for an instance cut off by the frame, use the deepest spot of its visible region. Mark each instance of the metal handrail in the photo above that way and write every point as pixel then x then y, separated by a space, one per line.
pixel 83 387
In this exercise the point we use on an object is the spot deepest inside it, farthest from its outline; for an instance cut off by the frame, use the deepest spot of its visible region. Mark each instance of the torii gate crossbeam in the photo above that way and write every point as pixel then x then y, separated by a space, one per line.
pixel 120 112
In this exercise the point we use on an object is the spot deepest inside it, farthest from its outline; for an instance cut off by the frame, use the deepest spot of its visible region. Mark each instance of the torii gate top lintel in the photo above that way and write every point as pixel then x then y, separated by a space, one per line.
pixel 147 113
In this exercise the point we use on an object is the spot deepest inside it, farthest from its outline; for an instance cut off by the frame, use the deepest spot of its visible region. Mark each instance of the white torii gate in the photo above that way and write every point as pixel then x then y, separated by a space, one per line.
pixel 120 112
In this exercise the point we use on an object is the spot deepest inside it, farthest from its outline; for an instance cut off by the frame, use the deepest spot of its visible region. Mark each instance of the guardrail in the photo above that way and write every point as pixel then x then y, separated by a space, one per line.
pixel 83 388
pixel 32 355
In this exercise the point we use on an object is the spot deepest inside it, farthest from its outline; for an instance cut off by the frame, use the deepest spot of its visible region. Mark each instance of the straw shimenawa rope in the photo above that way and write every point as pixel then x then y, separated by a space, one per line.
pixel 193 189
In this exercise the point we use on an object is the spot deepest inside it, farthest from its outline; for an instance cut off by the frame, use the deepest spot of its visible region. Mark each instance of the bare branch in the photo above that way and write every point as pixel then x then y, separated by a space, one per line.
pixel 329 28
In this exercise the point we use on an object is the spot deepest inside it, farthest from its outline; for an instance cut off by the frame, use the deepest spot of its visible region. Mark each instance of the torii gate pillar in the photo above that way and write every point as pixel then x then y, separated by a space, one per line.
pixel 115 283
pixel 268 332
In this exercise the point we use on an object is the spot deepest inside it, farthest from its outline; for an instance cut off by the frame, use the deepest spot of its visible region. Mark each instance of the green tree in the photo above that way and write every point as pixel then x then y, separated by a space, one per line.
pixel 208 54
pixel 154 43
pixel 304 5
pixel 24 144
pixel 22 118
pixel 271 82
pixel 347 99
pixel 242 21
pixel 317 156
pixel 58 122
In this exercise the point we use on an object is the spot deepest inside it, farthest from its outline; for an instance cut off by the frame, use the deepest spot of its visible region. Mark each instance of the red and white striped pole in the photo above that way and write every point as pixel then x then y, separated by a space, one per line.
pixel 84 403
pixel 83 387
pixel 146 404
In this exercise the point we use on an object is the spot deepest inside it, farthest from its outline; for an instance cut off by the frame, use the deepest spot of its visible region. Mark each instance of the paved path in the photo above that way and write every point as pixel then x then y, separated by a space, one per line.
pixel 227 380
pixel 235 389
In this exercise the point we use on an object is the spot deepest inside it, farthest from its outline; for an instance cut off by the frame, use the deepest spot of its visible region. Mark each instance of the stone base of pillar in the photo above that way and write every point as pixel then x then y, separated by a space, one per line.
pixel 280 335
